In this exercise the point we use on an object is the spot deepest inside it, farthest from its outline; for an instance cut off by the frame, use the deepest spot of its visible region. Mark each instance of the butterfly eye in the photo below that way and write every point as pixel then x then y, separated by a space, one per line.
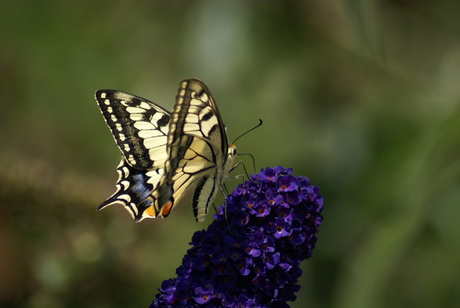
pixel 232 150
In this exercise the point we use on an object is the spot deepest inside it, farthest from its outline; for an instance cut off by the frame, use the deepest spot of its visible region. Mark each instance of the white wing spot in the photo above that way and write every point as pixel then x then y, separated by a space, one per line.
pixel 156 117
pixel 204 97
pixel 191 118
pixel 125 184
pixel 142 125
pixel 125 197
pixel 135 116
pixel 144 105
pixel 150 133
pixel 133 110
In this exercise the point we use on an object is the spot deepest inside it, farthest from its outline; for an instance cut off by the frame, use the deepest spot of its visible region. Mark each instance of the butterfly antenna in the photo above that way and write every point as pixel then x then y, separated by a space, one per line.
pixel 260 123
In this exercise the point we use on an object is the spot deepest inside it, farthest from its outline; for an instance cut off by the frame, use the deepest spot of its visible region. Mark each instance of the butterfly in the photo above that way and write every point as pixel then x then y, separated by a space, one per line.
pixel 165 154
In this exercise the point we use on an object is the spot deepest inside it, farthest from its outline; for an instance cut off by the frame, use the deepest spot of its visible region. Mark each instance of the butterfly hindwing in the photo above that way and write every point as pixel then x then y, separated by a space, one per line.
pixel 133 189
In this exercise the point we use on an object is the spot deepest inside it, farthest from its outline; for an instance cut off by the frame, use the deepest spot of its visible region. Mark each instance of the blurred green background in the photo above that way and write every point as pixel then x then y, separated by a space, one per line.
pixel 363 97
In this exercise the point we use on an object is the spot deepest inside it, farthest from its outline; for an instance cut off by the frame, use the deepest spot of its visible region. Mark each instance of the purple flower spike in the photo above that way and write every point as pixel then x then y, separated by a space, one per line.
pixel 250 255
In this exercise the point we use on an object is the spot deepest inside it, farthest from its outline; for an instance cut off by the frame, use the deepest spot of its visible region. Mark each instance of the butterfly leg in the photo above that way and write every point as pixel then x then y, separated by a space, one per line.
pixel 224 191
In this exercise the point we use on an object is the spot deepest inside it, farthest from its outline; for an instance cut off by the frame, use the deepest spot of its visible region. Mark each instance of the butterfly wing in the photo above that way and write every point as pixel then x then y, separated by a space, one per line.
pixel 197 151
pixel 138 126
pixel 140 129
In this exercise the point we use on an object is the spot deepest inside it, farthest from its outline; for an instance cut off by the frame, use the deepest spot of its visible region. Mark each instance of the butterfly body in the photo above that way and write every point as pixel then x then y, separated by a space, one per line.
pixel 164 154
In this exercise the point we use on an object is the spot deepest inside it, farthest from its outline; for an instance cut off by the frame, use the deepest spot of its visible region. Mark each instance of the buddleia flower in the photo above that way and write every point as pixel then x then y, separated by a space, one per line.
pixel 250 254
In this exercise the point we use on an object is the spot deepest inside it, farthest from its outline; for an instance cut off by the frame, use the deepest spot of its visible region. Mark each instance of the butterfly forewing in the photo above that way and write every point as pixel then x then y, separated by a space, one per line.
pixel 138 126
pixel 197 150
pixel 203 118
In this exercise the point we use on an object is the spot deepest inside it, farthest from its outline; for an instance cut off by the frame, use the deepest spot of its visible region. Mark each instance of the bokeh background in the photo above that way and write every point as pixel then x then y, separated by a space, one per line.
pixel 362 97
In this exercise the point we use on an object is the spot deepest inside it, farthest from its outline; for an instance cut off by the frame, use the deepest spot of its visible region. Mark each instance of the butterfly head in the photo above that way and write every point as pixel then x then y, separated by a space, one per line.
pixel 231 154
pixel 231 151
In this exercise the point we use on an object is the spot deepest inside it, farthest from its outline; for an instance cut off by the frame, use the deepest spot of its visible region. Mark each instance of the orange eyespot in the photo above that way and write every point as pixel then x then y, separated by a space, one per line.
pixel 151 211
pixel 166 208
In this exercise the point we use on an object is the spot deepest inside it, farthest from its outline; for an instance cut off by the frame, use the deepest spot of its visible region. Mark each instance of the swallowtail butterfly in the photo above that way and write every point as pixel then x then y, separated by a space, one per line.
pixel 164 154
